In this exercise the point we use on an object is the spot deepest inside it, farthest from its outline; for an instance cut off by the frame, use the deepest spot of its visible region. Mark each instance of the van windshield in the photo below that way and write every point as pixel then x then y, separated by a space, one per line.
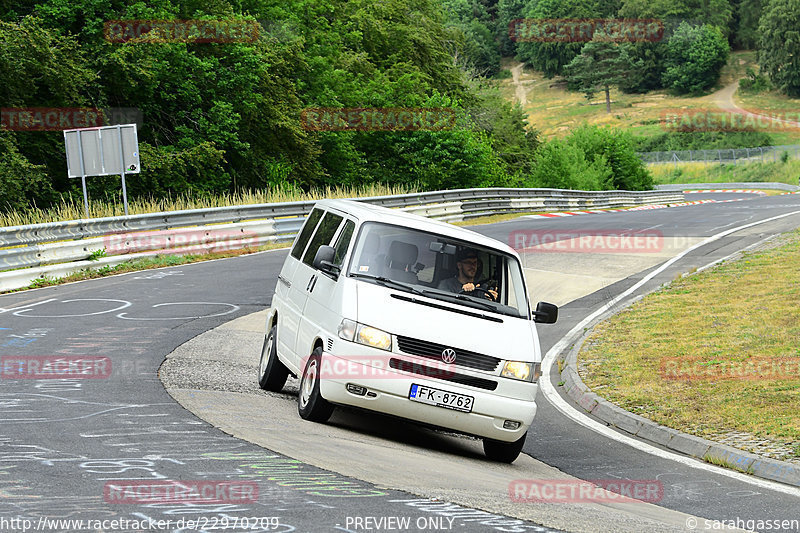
pixel 439 267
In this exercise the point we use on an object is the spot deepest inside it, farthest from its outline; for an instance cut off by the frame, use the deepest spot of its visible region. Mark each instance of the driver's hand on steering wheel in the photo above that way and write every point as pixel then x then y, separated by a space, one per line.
pixel 489 294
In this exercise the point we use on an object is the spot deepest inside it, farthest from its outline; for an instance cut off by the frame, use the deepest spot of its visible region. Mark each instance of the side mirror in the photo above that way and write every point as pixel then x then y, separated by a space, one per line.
pixel 545 313
pixel 323 260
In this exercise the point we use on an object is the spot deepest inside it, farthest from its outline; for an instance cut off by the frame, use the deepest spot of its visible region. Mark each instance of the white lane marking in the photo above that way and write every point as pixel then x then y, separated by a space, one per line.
pixel 567 409
pixel 125 303
pixel 233 309
pixel 23 307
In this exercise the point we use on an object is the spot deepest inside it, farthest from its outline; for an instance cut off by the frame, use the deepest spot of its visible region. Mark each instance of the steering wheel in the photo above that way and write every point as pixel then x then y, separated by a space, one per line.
pixel 485 292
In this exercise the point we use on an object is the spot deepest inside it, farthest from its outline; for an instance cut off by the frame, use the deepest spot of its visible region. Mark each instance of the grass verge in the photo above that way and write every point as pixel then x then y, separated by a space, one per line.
pixel 712 353
pixel 756 172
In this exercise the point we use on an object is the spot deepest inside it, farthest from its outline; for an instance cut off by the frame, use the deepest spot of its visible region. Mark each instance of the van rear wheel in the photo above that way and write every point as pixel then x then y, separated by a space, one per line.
pixel 272 374
pixel 503 452
pixel 310 403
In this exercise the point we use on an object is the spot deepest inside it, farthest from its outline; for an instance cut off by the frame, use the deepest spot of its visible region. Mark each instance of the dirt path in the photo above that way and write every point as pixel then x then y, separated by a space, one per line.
pixel 724 100
pixel 519 89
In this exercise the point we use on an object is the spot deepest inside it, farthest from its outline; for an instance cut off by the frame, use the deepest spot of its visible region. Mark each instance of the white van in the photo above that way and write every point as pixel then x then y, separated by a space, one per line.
pixel 391 312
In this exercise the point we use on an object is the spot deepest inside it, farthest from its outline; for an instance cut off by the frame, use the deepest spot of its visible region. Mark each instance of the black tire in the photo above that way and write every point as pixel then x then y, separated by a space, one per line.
pixel 272 374
pixel 310 403
pixel 503 452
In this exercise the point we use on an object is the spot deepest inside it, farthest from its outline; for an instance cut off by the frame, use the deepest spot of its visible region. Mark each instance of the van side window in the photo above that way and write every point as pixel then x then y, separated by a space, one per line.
pixel 305 233
pixel 343 242
pixel 325 232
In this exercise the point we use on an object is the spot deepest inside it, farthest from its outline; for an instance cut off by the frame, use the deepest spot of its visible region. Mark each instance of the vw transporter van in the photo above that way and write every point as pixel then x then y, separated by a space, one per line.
pixel 391 312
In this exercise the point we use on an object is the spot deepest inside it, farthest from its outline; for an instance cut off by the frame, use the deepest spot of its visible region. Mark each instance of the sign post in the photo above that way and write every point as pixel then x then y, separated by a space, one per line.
pixel 102 152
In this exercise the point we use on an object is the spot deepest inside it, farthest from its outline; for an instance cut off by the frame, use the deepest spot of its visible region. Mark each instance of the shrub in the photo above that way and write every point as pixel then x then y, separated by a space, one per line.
pixel 695 57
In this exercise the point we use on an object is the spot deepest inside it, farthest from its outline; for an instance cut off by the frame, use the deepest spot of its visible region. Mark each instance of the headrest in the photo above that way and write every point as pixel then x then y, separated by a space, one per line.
pixel 372 242
pixel 402 253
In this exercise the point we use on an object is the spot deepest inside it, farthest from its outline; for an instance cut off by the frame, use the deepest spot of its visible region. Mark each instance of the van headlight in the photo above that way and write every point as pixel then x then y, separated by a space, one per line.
pixel 518 370
pixel 354 332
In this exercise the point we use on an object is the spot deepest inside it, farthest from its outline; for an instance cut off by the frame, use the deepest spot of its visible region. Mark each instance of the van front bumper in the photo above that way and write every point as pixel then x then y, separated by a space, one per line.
pixel 387 391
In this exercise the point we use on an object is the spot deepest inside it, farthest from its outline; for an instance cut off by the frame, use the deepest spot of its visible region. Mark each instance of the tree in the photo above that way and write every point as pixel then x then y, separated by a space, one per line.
pixel 600 65
pixel 779 45
pixel 21 183
pixel 507 10
pixel 695 57
pixel 474 49
pixel 673 12
pixel 745 19
pixel 591 158
pixel 552 56
pixel 615 149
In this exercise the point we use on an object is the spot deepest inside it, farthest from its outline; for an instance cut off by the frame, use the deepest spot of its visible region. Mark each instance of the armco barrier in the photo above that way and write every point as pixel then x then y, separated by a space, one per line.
pixel 76 240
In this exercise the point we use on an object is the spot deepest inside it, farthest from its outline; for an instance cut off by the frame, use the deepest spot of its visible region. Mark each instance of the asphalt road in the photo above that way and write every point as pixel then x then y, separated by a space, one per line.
pixel 67 444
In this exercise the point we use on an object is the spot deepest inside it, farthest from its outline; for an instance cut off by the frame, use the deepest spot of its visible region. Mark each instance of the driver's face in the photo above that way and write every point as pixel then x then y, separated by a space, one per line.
pixel 469 266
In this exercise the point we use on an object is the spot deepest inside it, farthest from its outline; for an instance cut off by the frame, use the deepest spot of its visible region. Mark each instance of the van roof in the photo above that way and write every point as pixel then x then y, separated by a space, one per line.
pixel 367 212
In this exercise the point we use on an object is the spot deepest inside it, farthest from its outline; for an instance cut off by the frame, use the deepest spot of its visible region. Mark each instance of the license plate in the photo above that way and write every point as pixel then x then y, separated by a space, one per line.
pixel 441 398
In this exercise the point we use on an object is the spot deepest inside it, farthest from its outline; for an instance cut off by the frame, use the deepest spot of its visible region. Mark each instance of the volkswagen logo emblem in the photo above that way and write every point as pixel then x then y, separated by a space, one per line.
pixel 449 356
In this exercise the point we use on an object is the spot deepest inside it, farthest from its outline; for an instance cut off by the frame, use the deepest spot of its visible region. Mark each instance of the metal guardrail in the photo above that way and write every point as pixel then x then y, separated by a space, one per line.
pixel 76 240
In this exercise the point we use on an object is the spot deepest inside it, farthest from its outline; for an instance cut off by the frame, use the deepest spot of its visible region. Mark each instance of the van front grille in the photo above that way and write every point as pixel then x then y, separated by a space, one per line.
pixel 431 350
pixel 438 373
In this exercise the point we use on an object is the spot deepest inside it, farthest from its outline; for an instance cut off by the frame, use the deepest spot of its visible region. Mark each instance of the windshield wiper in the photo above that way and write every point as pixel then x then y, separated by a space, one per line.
pixel 464 298
pixel 386 281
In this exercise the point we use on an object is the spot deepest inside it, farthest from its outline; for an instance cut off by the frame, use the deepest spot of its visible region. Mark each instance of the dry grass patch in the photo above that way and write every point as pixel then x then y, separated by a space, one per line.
pixel 700 355
pixel 754 171
pixel 554 111
pixel 72 210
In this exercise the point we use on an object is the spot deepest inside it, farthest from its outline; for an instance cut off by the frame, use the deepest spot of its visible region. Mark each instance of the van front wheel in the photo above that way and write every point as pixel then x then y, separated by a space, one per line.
pixel 310 404
pixel 272 374
pixel 503 452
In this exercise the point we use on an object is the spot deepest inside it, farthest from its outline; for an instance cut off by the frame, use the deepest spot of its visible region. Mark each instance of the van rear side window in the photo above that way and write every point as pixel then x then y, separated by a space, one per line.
pixel 305 233
pixel 325 232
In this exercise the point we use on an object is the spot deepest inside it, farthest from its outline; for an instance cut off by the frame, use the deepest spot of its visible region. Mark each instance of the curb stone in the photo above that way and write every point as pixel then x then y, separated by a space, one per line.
pixel 645 429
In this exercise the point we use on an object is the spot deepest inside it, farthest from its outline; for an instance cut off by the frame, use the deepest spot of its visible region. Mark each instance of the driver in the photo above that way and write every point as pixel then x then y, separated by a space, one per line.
pixel 467 264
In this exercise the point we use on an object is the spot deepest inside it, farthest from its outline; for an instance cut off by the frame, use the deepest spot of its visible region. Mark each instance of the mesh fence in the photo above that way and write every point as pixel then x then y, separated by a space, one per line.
pixel 728 155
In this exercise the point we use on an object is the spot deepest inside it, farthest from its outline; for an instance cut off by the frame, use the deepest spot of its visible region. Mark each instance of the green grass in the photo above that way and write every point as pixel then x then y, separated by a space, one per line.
pixel 741 313
pixel 727 464
pixel 788 172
